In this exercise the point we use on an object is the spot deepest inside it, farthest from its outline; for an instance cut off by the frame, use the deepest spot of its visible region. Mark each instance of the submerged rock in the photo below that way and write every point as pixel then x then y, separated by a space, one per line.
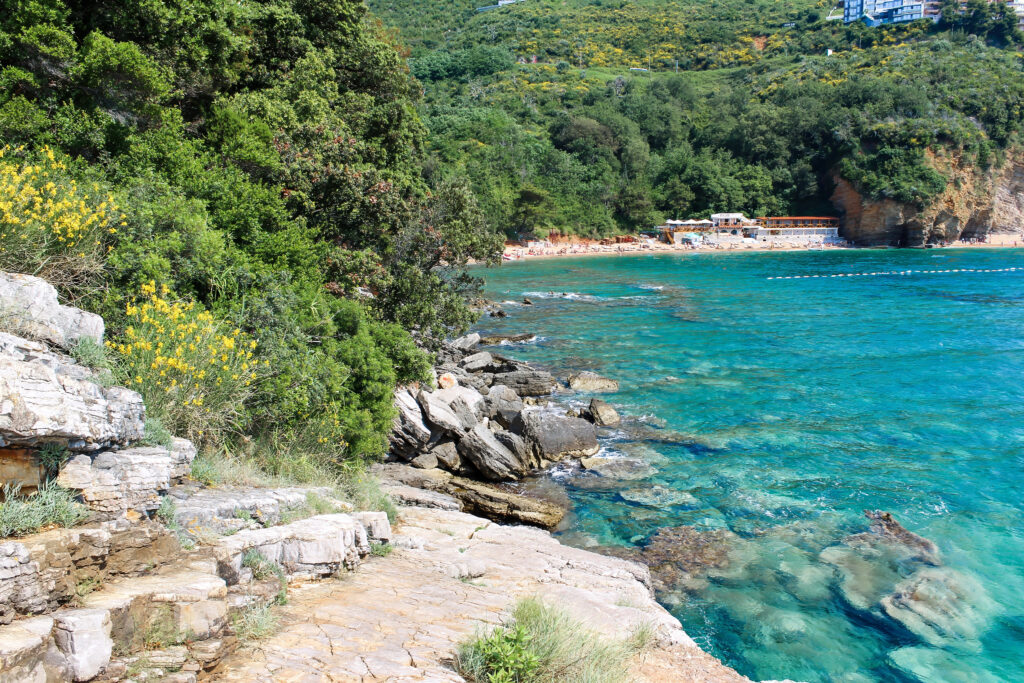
pixel 676 554
pixel 943 607
pixel 931 664
pixel 885 526
pixel 658 496
pixel 591 381
pixel 618 467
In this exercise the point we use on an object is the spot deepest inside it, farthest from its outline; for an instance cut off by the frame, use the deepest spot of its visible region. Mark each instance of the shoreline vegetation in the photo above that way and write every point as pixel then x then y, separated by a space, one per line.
pixel 573 247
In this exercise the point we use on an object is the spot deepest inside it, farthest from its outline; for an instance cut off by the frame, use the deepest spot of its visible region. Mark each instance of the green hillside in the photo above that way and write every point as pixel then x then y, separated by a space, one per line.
pixel 741 108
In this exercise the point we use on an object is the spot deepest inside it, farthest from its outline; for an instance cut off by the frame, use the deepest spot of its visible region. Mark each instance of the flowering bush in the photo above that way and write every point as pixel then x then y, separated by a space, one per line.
pixel 52 226
pixel 194 372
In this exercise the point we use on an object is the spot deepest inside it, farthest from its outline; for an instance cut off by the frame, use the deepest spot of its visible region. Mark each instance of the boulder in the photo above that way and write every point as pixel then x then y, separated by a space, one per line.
pixel 29 307
pixel 502 404
pixel 409 431
pixel 394 473
pixel 476 362
pixel 466 343
pixel 45 398
pixel 526 381
pixel 591 381
pixel 468 396
pixel 492 502
pixel 425 461
pixel 554 437
pixel 516 444
pixel 439 414
pixel 447 456
pixel 489 456
pixel 413 497
pixel 602 414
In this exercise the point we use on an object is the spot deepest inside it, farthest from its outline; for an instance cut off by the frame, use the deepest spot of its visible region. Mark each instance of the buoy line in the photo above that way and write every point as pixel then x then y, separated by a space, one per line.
pixel 895 272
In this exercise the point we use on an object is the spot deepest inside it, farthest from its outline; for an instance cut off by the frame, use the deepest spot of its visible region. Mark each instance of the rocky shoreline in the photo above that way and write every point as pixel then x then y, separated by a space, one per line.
pixel 486 425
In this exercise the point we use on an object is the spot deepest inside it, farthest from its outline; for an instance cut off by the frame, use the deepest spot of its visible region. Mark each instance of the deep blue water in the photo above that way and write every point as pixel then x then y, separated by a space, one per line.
pixel 785 407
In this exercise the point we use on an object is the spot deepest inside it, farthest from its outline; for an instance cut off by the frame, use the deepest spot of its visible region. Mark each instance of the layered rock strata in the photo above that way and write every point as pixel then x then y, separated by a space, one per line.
pixel 975 203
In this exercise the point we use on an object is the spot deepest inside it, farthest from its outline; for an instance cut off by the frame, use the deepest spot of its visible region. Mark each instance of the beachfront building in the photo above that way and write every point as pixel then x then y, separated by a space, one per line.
pixel 821 229
pixel 877 12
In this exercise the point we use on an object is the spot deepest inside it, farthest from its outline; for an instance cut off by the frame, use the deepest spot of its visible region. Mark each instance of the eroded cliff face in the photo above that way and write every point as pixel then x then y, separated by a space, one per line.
pixel 975 204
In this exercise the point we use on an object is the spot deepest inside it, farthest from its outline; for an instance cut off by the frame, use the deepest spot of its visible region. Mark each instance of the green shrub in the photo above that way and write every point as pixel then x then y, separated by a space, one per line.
pixel 52 457
pixel 194 372
pixel 51 504
pixel 545 645
pixel 378 549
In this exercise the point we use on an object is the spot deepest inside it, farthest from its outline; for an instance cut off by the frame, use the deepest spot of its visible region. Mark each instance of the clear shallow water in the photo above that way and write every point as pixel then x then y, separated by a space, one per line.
pixel 787 407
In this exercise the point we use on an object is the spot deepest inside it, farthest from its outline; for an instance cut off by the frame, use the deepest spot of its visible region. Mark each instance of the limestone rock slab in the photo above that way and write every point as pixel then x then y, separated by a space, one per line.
pixel 83 635
pixel 29 306
pixel 45 397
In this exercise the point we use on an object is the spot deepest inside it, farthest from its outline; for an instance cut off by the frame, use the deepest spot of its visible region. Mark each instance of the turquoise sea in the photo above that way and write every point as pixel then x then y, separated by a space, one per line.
pixel 785 408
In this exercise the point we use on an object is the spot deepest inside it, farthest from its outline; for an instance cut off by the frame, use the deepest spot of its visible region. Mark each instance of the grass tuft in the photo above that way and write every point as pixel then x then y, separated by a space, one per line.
pixel 51 504
pixel 255 623
pixel 157 434
pixel 263 568
pixel 542 644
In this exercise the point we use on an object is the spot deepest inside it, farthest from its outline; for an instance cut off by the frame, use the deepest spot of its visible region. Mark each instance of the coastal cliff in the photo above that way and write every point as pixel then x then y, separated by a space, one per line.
pixel 975 204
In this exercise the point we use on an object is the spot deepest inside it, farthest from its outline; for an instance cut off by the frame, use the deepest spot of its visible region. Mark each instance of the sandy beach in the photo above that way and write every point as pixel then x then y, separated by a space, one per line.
pixel 584 247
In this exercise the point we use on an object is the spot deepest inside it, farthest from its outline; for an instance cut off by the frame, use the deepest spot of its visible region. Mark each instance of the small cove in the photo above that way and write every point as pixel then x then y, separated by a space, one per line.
pixel 778 410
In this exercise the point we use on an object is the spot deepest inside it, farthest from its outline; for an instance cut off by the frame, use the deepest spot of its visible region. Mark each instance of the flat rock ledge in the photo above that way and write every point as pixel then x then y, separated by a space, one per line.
pixel 401 618
pixel 145 586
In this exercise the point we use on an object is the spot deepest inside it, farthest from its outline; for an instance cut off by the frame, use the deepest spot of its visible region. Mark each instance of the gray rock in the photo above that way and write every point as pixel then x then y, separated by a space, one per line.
pixel 465 414
pixel 439 414
pixel 602 414
pixel 29 307
pixel 45 397
pixel 468 395
pixel 554 437
pixel 502 404
pixel 591 381
pixel 447 456
pixel 489 456
pixel 425 461
pixel 83 635
pixel 476 362
pixel 516 444
pixel 526 381
pixel 409 432
pixel 467 342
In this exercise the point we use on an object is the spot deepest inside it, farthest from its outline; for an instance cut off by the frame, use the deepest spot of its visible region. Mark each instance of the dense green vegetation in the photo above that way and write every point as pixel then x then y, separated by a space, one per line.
pixel 742 109
pixel 238 189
